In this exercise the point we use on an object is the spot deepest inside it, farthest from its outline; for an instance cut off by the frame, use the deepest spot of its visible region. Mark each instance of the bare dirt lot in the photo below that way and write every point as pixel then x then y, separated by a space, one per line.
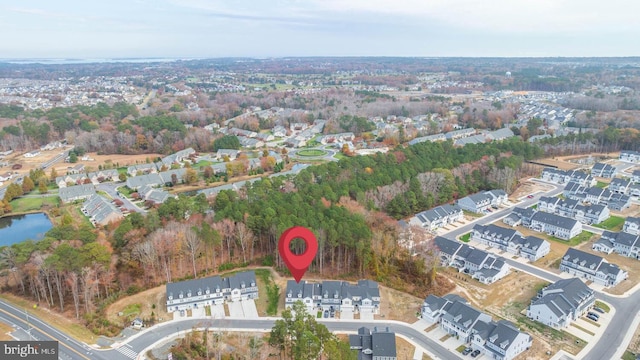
pixel 396 305
pixel 528 187
pixel 4 332
pixel 140 305
pixel 507 299
pixel 121 160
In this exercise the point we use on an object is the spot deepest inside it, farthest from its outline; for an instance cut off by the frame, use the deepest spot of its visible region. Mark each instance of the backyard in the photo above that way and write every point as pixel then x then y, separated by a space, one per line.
pixel 614 223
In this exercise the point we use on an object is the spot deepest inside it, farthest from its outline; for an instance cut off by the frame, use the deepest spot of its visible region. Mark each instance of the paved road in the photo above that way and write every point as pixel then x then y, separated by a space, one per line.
pixel 111 189
pixel 167 330
pixel 69 348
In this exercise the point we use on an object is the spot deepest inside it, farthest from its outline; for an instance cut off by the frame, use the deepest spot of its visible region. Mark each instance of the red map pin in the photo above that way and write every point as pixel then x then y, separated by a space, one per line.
pixel 298 264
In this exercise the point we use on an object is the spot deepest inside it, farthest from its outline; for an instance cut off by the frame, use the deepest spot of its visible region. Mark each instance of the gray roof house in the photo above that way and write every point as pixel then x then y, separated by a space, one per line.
pixel 510 240
pixel 379 344
pixel 603 170
pixel 100 210
pixel 213 290
pixel 141 169
pixel 77 192
pixel 555 225
pixel 485 267
pixel 476 203
pixel 499 340
pixel 560 303
pixel 136 182
pixel 630 156
pixel 438 217
pixel 620 186
pixel 591 267
pixel 363 297
pixel 623 243
pixel 632 225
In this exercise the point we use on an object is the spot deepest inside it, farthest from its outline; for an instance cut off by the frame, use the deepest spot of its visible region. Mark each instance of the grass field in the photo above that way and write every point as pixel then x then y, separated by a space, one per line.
pixel 25 204
pixel 601 184
pixel 584 236
pixel 202 163
pixel 614 223
pixel 465 237
pixel 311 152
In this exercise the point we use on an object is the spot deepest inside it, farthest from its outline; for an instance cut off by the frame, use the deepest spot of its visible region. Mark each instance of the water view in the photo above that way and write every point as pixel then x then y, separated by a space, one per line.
pixel 18 228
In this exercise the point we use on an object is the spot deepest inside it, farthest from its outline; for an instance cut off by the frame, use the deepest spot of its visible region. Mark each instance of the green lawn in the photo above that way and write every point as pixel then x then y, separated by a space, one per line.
pixel 582 237
pixel 603 306
pixel 25 204
pixel 602 184
pixel 614 223
pixel 311 152
pixel 465 237
pixel 202 163
pixel 628 355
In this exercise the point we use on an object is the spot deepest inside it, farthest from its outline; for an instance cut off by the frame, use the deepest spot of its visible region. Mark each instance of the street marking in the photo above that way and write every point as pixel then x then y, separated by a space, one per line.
pixel 127 352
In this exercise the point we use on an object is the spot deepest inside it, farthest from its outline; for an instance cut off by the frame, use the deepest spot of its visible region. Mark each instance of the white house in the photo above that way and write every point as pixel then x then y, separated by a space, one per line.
pixel 485 267
pixel 632 225
pixel 438 217
pixel 560 303
pixel 591 267
pixel 630 156
pixel 555 225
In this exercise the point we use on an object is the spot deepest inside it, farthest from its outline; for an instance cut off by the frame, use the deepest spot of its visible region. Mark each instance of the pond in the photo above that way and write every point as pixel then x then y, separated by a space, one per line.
pixel 18 228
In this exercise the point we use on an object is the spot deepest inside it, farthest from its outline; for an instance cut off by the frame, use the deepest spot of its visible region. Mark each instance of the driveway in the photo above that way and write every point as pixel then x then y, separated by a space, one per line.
pixel 198 312
pixel 366 316
pixel 235 309
pixel 346 314
pixel 249 309
pixel 217 311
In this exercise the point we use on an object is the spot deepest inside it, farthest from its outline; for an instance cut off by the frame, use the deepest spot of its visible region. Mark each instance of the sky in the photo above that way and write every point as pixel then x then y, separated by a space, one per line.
pixel 280 28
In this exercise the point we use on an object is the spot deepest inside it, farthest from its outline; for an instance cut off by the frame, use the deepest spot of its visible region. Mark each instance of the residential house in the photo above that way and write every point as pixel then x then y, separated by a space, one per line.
pixel 438 217
pixel 152 179
pixel 141 169
pixel 498 340
pixel 457 134
pixel 554 175
pixel 591 267
pixel 497 237
pixel 519 216
pixel 6 176
pixel 485 267
pixel 623 243
pixel 231 154
pixel 73 179
pixel 379 344
pixel 363 297
pixel 635 177
pixel 618 202
pixel 603 170
pixel 431 138
pixel 264 137
pixel 100 210
pixel 586 214
pixel 630 156
pixel 620 186
pixel 213 290
pixel 560 303
pixel 153 195
pixel 555 225
pixel 32 154
pixel 335 138
pixel 176 158
pixel 632 225
pixel 77 192
pixel 476 203
pixel 76 169
pixel 97 177
pixel 279 131
pixel 534 248
pixel 252 143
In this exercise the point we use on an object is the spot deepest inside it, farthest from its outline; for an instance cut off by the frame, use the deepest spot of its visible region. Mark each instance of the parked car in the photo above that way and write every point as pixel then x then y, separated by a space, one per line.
pixel 475 353
pixel 467 351
pixel 530 197
pixel 591 317
pixel 599 309
pixel 594 315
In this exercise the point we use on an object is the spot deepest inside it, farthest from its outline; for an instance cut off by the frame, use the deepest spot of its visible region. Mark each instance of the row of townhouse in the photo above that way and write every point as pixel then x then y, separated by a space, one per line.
pixel 555 225
pixel 591 267
pixel 379 344
pixel 166 162
pixel 100 210
pixel 560 303
pixel 213 290
pixel 635 177
pixel 481 202
pixel 363 297
pixel 76 193
pixel 603 170
pixel 438 217
pixel 623 243
pixel 596 195
pixel 497 340
pixel 564 177
pixel 156 179
pixel 586 214
pixel 481 265
pixel 632 225
pixel 94 177
pixel 510 240
pixel 630 156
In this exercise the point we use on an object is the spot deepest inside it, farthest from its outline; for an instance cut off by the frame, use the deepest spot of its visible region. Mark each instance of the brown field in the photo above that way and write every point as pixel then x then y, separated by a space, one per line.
pixel 527 187
pixel 634 345
pixel 396 305
pixel 145 299
pixel 121 160
pixel 405 349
